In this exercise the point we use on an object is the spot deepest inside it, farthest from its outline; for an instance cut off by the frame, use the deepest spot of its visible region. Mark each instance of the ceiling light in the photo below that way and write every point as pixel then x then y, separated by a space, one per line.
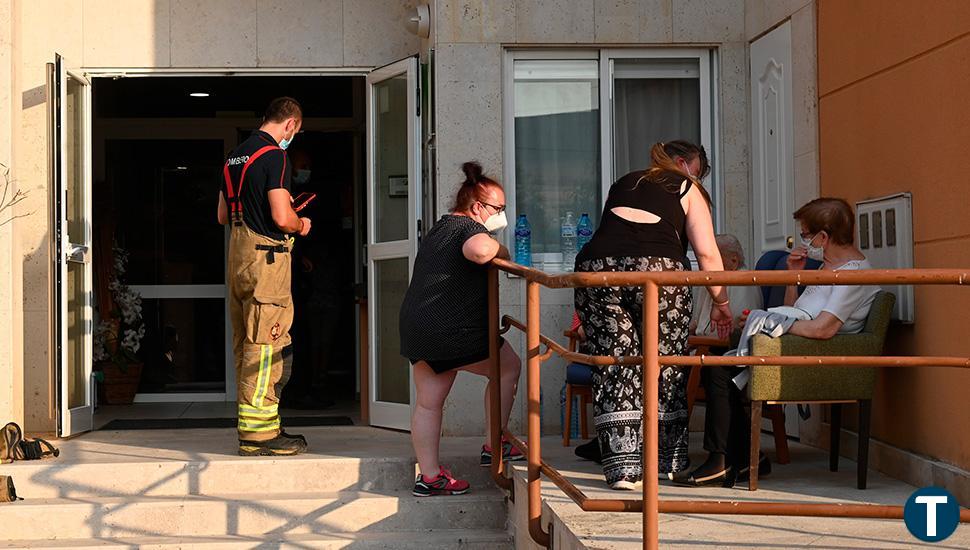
pixel 199 94
pixel 181 167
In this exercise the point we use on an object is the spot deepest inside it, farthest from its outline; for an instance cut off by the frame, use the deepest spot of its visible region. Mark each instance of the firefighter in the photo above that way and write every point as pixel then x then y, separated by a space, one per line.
pixel 255 201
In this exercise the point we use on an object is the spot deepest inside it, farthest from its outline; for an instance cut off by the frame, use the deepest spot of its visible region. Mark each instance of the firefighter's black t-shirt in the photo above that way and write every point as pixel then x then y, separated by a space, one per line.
pixel 269 171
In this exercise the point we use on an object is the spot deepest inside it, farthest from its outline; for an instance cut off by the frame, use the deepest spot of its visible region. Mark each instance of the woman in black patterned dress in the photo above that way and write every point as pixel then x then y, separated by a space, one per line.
pixel 649 218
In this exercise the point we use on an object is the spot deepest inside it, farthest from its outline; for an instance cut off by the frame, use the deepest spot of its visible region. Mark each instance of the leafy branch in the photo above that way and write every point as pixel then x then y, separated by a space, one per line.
pixel 16 198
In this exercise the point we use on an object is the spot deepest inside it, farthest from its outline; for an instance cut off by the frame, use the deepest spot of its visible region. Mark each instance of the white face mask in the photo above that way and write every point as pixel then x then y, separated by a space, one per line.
pixel 816 253
pixel 496 222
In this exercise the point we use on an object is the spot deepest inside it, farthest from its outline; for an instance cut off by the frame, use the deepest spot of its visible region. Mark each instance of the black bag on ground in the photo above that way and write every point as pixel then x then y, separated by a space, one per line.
pixel 13 445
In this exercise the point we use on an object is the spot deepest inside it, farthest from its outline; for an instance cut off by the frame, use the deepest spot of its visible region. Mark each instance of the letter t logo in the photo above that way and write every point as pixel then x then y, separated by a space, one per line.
pixel 931 502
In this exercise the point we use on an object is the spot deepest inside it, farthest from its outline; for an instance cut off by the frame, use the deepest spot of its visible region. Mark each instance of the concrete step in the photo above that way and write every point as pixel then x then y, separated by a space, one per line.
pixel 251 514
pixel 211 476
pixel 448 539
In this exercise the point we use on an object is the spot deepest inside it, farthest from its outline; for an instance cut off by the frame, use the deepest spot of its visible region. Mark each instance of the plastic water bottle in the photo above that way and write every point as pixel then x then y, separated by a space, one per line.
pixel 584 232
pixel 523 241
pixel 567 242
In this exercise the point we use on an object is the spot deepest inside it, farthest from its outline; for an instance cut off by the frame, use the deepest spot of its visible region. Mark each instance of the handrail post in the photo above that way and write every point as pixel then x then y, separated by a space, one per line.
pixel 494 386
pixel 651 380
pixel 534 453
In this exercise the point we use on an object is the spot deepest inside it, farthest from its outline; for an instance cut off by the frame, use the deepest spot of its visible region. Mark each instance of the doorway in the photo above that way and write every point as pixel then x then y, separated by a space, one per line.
pixel 772 154
pixel 159 143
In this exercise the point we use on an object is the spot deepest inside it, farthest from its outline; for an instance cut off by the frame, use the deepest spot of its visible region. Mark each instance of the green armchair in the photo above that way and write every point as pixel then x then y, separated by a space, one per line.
pixel 770 385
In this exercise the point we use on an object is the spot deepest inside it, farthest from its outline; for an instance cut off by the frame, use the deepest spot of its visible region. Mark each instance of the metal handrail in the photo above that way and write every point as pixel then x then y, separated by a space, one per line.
pixel 651 505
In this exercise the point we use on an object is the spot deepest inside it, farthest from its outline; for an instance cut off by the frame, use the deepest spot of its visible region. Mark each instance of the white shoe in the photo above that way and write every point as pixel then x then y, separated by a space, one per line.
pixel 623 485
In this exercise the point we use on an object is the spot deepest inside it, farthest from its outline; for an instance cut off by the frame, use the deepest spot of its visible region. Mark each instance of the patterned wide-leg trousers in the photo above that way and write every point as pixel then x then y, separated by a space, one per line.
pixel 612 319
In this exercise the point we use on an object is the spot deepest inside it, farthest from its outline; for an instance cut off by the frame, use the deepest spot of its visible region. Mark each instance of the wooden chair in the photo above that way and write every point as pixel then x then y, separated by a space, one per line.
pixel 772 385
pixel 578 384
pixel 701 345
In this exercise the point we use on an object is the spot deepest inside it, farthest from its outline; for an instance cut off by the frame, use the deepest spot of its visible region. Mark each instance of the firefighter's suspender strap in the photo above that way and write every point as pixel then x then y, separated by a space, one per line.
pixel 234 192
pixel 272 251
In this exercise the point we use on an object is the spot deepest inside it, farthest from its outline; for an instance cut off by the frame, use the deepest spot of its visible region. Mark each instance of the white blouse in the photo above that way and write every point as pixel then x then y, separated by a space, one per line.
pixel 850 303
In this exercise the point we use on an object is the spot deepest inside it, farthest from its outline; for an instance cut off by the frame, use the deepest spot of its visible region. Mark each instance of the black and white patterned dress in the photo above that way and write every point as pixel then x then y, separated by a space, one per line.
pixel 612 318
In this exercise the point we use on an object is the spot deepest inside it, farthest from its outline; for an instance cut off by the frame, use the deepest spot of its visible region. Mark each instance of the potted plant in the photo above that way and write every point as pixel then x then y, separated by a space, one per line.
pixel 118 339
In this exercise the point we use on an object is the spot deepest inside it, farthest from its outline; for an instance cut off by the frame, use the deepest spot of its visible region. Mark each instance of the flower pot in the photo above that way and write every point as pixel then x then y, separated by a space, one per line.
pixel 111 340
pixel 120 383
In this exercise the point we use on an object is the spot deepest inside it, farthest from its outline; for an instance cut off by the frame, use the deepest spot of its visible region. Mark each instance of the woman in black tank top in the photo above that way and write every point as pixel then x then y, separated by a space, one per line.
pixel 649 219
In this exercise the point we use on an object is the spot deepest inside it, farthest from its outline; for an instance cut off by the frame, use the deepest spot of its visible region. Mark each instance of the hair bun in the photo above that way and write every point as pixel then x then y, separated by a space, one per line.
pixel 473 172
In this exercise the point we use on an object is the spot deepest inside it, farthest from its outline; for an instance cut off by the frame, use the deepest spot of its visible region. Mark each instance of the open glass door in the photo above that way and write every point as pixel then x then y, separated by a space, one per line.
pixel 393 214
pixel 69 102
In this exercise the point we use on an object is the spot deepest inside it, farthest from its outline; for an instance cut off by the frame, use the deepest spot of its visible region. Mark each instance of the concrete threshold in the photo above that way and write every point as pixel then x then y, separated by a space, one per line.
pixel 806 479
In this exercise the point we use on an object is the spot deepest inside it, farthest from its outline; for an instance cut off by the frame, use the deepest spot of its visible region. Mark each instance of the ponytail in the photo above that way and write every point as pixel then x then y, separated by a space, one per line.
pixel 663 159
pixel 473 189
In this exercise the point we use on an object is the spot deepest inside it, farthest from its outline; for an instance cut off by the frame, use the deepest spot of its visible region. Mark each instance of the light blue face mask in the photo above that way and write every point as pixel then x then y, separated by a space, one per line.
pixel 284 143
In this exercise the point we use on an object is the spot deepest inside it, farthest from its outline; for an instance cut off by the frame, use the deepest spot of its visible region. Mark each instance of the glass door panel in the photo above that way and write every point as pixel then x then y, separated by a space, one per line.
pixel 76 352
pixel 391 158
pixel 653 100
pixel 390 283
pixel 159 209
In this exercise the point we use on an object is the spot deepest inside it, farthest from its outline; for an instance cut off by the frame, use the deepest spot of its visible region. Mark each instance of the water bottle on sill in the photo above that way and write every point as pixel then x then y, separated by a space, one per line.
pixel 523 241
pixel 584 232
pixel 567 242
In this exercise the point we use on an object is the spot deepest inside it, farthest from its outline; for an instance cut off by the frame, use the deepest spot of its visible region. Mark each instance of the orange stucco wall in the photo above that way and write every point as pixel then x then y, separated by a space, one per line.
pixel 894 115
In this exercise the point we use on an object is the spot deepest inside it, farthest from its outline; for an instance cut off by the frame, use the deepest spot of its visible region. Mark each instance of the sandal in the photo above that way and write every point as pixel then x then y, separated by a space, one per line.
pixel 724 478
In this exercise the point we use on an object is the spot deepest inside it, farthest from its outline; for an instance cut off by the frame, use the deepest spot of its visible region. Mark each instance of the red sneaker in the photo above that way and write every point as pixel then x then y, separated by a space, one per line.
pixel 510 453
pixel 442 484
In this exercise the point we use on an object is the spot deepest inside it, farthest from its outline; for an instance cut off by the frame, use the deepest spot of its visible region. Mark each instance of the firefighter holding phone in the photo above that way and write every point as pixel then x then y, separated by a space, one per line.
pixel 255 201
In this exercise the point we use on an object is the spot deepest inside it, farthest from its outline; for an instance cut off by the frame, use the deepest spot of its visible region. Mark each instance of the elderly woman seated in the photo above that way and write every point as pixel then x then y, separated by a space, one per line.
pixel 827 231
pixel 742 298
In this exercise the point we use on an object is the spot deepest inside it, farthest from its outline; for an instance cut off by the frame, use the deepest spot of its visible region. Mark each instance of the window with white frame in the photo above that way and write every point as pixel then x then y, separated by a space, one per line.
pixel 576 121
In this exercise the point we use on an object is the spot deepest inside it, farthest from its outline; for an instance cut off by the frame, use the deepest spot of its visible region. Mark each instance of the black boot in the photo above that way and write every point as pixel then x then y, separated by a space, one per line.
pixel 714 471
pixel 297 437
pixel 590 451
pixel 278 446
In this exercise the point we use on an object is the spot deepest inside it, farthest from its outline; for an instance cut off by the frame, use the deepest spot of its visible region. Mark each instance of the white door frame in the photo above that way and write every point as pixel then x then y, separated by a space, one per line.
pixel 203 291
pixel 386 414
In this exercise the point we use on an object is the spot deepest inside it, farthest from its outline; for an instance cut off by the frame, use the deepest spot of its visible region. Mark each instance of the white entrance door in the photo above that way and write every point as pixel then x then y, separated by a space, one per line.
pixel 393 217
pixel 771 143
pixel 772 153
pixel 69 101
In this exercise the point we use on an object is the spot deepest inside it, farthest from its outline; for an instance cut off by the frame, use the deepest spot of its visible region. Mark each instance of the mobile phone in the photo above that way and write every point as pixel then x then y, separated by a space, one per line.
pixel 303 199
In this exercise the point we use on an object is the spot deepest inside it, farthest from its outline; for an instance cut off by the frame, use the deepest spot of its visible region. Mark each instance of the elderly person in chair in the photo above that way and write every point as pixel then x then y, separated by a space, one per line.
pixel 827 231
pixel 743 298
